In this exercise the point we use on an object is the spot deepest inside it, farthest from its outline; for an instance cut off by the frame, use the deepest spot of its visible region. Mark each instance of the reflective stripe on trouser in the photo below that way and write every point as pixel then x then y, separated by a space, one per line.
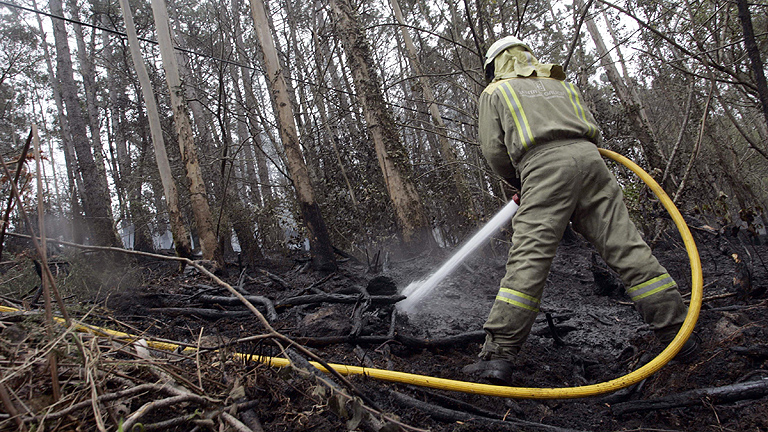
pixel 572 182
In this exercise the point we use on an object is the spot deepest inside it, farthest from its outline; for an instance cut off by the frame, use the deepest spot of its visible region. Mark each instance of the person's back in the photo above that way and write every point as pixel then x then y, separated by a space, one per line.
pixel 534 111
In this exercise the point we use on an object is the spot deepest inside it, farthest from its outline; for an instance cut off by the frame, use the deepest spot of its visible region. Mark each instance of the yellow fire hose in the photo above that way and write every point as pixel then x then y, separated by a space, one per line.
pixel 502 391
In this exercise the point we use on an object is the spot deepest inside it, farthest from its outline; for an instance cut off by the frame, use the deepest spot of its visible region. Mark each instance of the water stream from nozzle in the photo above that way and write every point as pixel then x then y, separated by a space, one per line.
pixel 417 290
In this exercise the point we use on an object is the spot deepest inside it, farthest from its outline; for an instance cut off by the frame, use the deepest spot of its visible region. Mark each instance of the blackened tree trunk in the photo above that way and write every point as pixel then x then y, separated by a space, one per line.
pixel 754 55
pixel 319 239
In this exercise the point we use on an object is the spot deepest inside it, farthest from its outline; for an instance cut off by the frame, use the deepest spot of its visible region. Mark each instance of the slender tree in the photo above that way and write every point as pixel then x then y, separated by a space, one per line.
pixel 319 239
pixel 178 229
pixel 393 158
pixel 95 195
pixel 446 151
pixel 197 190
pixel 633 107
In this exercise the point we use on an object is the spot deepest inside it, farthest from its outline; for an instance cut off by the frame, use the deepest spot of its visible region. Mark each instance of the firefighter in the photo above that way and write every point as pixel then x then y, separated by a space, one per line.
pixel 536 132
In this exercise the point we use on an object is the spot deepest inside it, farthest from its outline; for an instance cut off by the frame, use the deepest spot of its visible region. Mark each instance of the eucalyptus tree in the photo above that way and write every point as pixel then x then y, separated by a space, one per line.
pixel 75 179
pixel 197 189
pixel 129 177
pixel 319 239
pixel 628 96
pixel 95 192
pixel 85 60
pixel 253 147
pixel 460 189
pixel 178 229
pixel 392 156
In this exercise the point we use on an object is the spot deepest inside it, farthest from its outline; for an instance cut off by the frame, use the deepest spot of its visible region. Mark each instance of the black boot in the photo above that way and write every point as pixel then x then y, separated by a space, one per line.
pixel 689 352
pixel 690 349
pixel 496 371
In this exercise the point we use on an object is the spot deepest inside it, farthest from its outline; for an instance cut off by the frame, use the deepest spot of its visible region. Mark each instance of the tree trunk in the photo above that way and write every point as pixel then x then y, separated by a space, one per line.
pixel 392 156
pixel 754 56
pixel 66 136
pixel 197 191
pixel 632 105
pixel 241 222
pixel 323 59
pixel 446 151
pixel 127 185
pixel 178 229
pixel 319 239
pixel 88 74
pixel 251 106
pixel 96 199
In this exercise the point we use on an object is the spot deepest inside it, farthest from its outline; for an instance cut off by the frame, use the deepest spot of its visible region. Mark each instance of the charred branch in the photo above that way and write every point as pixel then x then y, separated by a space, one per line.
pixel 336 298
pixel 213 314
pixel 406 340
pixel 449 415
pixel 714 395
pixel 234 301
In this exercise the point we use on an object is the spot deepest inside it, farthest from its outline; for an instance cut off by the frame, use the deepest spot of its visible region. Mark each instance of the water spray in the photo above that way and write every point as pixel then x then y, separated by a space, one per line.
pixel 418 290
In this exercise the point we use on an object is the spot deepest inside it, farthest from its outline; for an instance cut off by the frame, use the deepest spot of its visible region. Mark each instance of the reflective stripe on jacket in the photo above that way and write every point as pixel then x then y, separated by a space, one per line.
pixel 517 114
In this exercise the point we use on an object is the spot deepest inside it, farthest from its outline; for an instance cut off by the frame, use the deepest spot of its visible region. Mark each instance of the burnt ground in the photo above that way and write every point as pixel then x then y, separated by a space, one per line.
pixel 603 338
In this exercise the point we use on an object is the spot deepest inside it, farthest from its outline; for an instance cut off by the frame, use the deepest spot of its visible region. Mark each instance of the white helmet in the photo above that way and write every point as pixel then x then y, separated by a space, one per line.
pixel 499 46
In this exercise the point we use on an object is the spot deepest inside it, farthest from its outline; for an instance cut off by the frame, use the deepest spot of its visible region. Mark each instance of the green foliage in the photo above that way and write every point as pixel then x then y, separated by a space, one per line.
pixel 18 57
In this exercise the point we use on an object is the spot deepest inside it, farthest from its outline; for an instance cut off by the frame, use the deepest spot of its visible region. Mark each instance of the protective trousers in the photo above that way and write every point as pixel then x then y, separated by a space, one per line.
pixel 570 182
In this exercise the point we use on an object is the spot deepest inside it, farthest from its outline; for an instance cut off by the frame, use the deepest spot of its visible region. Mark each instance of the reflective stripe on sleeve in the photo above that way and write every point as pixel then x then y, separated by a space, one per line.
pixel 516 298
pixel 573 95
pixel 651 287
pixel 516 109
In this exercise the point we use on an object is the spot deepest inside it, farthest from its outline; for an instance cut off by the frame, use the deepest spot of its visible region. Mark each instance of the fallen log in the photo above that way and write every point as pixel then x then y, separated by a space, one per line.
pixel 406 340
pixel 202 313
pixel 449 415
pixel 713 395
pixel 336 298
pixel 234 301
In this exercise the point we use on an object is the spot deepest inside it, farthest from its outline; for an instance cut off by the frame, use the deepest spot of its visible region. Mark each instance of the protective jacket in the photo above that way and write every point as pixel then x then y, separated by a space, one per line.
pixel 533 122
pixel 529 104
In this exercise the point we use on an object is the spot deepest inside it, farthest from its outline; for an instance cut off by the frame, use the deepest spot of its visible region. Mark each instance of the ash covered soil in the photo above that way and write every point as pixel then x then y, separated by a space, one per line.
pixel 602 339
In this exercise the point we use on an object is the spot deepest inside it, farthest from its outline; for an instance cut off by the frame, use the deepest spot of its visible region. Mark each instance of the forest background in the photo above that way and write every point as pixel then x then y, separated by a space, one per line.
pixel 351 125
